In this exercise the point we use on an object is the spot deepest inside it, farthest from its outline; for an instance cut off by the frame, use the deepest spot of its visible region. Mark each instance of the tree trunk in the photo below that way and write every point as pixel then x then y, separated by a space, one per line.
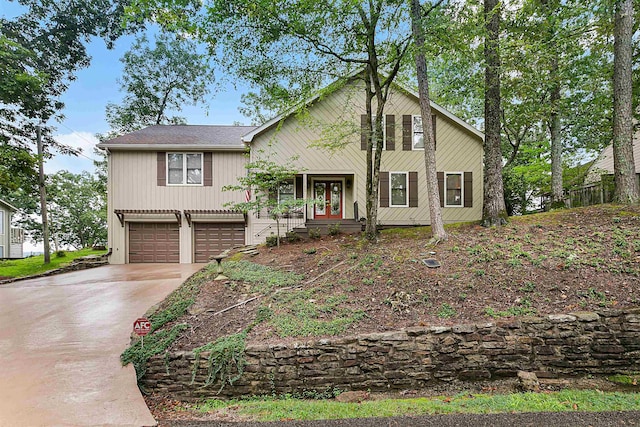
pixel 494 211
pixel 557 187
pixel 371 228
pixel 626 184
pixel 43 197
pixel 437 225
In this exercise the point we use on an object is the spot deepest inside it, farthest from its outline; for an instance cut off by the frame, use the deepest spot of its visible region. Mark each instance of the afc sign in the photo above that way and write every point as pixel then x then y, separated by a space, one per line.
pixel 142 326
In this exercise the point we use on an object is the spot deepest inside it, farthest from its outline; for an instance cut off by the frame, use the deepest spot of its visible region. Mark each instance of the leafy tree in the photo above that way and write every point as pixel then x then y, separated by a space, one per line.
pixel 287 49
pixel 42 50
pixel 626 183
pixel 494 209
pixel 263 181
pixel 158 79
pixel 77 209
pixel 417 25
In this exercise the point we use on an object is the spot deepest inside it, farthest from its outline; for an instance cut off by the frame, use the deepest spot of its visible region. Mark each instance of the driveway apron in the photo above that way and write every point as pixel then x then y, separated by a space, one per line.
pixel 60 343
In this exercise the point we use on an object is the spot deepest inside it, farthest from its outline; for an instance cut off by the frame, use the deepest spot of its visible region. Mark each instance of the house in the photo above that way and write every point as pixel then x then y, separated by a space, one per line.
pixel 599 182
pixel 164 191
pixel 11 238
pixel 604 163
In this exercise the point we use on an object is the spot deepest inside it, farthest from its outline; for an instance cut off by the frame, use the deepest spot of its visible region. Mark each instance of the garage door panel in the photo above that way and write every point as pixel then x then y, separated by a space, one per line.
pixel 154 242
pixel 212 238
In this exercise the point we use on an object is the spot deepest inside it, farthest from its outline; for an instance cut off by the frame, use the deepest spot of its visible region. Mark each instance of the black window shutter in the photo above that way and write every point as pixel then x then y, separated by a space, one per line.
pixel 433 124
pixel 407 132
pixel 413 189
pixel 299 187
pixel 390 130
pixel 441 188
pixel 207 164
pixel 468 189
pixel 162 169
pixel 364 131
pixel 384 189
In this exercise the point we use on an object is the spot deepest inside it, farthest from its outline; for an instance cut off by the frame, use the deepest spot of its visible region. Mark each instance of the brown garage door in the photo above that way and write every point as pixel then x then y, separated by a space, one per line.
pixel 154 242
pixel 212 238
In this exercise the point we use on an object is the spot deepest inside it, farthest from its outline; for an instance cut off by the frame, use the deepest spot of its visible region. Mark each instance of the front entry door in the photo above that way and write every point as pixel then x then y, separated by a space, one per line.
pixel 331 193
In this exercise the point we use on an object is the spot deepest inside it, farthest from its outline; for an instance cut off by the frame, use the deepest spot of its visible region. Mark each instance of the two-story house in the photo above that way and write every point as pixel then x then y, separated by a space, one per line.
pixel 166 202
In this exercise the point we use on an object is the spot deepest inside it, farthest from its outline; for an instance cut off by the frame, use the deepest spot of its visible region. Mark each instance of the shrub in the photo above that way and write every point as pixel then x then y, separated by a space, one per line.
pixel 292 237
pixel 314 233
pixel 61 254
pixel 333 229
pixel 272 241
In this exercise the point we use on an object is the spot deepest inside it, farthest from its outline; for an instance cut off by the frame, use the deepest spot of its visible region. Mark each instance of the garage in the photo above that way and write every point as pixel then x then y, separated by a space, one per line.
pixel 211 238
pixel 154 242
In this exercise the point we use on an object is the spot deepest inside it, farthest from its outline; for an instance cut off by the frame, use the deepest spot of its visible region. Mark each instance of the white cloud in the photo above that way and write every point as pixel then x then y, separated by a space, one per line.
pixel 83 140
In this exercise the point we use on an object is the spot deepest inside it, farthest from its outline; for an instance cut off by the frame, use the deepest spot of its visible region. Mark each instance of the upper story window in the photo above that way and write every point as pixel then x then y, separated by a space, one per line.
pixel 418 133
pixel 384 131
pixel 453 189
pixel 184 168
pixel 398 189
pixel 1 222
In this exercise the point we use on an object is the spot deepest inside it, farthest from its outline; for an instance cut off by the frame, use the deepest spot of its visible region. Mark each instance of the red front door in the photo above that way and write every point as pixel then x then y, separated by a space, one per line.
pixel 331 193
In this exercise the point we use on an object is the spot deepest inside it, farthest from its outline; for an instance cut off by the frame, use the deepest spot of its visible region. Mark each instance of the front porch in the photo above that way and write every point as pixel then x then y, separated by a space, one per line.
pixel 332 204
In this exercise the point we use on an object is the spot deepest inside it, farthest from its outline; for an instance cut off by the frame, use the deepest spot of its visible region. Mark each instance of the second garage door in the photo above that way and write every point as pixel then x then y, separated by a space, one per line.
pixel 212 238
pixel 154 242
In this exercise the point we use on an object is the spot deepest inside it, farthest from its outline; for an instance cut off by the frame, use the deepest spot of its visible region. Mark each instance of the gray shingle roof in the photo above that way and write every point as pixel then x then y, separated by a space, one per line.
pixel 191 135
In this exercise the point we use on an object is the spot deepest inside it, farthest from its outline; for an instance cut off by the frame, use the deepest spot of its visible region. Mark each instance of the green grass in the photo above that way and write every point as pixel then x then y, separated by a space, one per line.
pixel 35 265
pixel 294 409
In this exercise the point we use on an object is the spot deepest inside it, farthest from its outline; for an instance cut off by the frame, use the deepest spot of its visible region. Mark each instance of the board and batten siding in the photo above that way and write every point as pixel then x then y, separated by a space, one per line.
pixel 133 184
pixel 337 117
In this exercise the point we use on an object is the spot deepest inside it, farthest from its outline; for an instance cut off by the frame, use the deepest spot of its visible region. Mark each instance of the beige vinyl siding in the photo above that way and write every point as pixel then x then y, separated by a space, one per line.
pixel 133 175
pixel 604 162
pixel 337 117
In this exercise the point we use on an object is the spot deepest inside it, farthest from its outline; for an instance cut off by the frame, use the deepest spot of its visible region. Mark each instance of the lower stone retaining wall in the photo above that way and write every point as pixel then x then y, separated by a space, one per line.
pixel 420 357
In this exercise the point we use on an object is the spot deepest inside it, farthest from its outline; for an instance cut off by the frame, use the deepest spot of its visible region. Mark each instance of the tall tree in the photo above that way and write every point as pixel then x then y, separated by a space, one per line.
pixel 288 49
pixel 626 182
pixel 157 80
pixel 494 210
pixel 417 26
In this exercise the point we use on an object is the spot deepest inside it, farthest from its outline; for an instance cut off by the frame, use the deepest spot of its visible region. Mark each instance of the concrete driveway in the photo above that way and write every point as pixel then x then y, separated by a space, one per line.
pixel 61 339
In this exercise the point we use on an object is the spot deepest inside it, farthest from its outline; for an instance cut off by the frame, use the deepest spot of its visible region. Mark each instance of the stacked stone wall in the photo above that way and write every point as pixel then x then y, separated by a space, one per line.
pixel 562 345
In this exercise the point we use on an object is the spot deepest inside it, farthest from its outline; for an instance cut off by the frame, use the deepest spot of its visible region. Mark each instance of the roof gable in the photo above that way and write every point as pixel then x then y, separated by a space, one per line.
pixel 8 206
pixel 248 138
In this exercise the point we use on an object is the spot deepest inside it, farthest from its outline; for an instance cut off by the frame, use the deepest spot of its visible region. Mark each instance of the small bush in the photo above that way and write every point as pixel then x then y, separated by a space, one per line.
pixel 314 233
pixel 292 237
pixel 333 229
pixel 272 241
pixel 310 251
pixel 61 254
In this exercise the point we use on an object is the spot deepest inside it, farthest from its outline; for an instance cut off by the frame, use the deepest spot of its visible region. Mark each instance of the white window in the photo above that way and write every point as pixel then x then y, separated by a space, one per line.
pixel 184 168
pixel 1 222
pixel 398 189
pixel 418 133
pixel 453 190
pixel 1 252
pixel 286 192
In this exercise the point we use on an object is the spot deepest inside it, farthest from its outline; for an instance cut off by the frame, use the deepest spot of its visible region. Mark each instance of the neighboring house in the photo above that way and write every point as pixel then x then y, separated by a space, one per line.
pixel 11 238
pixel 604 163
pixel 165 198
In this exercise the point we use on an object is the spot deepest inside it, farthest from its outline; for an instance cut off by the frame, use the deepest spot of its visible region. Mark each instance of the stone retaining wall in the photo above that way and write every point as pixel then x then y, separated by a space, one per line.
pixel 414 358
pixel 82 263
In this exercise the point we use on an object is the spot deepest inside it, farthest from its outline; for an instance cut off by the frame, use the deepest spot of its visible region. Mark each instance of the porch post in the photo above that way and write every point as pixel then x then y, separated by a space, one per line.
pixel 304 196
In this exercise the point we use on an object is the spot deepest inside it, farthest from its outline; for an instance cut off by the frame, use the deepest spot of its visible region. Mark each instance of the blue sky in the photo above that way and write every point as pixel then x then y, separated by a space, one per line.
pixel 95 86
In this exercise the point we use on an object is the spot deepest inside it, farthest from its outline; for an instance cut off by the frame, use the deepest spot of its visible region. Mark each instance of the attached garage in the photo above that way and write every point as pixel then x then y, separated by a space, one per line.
pixel 154 242
pixel 210 238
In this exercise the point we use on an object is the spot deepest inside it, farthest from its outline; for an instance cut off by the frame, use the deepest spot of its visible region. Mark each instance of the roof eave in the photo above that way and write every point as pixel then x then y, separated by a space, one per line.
pixel 10 206
pixel 163 147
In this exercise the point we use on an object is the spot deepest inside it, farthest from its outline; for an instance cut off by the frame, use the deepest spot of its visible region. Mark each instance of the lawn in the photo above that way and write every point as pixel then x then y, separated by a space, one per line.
pixel 35 265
